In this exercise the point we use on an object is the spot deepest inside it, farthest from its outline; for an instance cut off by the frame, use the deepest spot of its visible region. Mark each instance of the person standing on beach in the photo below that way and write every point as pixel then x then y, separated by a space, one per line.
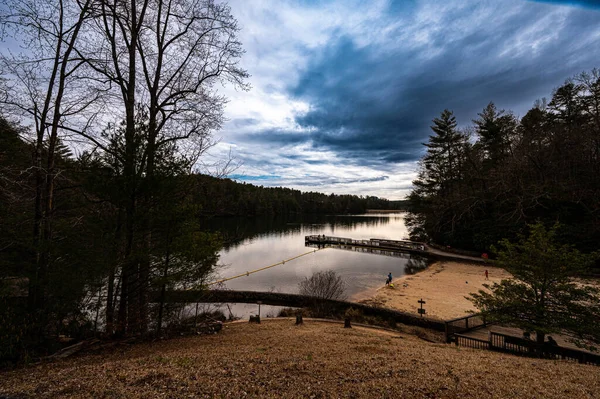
pixel 486 274
pixel 389 279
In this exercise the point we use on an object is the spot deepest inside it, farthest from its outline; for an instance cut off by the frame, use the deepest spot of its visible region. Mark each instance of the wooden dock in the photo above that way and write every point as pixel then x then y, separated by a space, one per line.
pixel 376 243
pixel 404 246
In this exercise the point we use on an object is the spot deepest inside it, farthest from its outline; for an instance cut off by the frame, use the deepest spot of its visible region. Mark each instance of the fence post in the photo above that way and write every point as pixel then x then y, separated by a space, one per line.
pixel 299 318
pixel 446 333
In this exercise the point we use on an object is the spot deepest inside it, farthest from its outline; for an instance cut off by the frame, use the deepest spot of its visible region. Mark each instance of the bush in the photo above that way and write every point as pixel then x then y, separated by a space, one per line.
pixel 290 312
pixel 324 285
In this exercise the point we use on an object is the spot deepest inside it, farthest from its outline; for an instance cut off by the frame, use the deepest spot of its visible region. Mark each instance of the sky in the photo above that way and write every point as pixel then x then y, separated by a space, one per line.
pixel 344 91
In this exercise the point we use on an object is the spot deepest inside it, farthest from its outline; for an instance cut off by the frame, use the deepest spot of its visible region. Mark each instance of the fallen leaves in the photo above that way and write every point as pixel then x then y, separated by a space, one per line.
pixel 278 359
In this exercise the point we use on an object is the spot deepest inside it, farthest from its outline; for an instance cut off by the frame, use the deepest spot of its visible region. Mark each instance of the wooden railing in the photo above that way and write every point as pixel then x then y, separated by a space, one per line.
pixel 470 342
pixel 369 250
pixel 373 242
pixel 522 346
pixel 525 347
pixel 463 324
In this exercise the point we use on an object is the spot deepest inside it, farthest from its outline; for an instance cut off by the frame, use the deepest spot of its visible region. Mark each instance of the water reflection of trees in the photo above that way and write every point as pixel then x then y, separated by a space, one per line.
pixel 415 264
pixel 234 230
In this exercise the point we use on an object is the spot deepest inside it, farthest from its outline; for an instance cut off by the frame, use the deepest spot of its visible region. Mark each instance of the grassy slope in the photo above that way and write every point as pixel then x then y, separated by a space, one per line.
pixel 278 359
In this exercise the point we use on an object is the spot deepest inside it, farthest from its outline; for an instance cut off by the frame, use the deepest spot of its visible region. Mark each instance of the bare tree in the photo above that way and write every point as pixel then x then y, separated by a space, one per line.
pixel 185 47
pixel 43 88
pixel 161 59
pixel 165 56
pixel 324 285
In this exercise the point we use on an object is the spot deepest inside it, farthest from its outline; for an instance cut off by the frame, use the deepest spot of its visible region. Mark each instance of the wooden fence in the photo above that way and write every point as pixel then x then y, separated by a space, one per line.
pixel 471 342
pixel 463 324
pixel 297 301
pixel 522 346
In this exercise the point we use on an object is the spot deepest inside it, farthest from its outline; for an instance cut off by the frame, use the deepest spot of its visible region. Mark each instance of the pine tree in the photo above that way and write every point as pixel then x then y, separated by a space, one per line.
pixel 436 187
pixel 542 295
pixel 495 129
pixel 444 149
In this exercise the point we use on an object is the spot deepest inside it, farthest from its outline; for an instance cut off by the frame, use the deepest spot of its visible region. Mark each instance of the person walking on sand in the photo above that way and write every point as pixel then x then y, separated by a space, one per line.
pixel 389 279
pixel 486 274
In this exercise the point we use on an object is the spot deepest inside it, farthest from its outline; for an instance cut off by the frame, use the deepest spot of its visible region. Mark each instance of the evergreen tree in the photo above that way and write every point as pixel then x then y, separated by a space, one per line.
pixel 542 295
pixel 444 151
pixel 436 188
pixel 495 130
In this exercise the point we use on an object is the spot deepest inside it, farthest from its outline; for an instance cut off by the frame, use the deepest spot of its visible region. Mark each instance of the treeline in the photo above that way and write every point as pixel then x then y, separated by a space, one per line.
pixel 79 290
pixel 82 281
pixel 225 197
pixel 486 182
pixel 132 88
pixel 235 230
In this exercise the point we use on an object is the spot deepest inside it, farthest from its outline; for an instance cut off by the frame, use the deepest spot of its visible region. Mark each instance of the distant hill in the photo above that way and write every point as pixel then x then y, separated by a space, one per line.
pixel 225 197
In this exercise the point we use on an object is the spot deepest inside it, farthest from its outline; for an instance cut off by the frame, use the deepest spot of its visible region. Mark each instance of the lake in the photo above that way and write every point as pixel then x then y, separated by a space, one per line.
pixel 255 243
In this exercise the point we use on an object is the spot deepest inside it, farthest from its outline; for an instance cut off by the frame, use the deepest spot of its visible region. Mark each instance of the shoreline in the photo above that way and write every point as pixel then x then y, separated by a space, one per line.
pixel 443 286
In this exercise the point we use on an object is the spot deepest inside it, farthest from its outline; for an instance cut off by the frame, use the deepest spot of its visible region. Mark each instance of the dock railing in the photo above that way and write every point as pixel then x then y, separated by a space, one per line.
pixel 373 242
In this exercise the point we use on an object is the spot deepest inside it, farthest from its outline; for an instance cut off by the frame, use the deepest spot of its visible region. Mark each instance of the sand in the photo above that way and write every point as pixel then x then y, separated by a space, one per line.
pixel 443 286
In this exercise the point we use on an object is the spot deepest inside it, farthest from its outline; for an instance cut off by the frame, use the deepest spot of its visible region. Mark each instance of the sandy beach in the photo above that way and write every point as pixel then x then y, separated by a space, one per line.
pixel 443 286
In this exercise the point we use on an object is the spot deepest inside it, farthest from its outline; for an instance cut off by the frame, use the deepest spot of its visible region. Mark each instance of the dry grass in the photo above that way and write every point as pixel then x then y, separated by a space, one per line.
pixel 316 360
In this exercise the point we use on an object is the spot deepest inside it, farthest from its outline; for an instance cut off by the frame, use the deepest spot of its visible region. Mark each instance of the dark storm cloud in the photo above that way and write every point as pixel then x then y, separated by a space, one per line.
pixel 374 104
pixel 313 181
pixel 281 137
pixel 576 3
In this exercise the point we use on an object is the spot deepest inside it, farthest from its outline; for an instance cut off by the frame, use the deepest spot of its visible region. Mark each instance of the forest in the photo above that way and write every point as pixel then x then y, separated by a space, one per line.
pixel 225 197
pixel 104 116
pixel 85 252
pixel 487 181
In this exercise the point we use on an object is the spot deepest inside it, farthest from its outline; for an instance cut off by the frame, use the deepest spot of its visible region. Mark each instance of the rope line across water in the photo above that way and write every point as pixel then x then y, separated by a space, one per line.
pixel 264 268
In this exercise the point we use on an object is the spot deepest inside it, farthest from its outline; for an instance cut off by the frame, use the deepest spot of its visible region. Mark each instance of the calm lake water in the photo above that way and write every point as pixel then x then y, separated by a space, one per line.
pixel 256 243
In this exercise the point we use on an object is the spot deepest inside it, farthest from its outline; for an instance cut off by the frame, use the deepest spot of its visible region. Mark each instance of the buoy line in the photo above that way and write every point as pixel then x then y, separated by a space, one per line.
pixel 264 268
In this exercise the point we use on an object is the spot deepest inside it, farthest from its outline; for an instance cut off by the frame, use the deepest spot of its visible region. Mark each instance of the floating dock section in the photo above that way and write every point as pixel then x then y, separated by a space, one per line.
pixel 405 246
pixel 374 243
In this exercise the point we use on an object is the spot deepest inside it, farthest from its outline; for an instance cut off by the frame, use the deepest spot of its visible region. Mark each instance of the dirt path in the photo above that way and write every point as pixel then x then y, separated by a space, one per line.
pixel 453 255
pixel 443 286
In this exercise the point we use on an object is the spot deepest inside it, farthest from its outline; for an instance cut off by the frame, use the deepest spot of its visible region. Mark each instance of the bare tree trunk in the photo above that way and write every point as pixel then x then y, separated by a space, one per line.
pixel 163 291
pixel 121 24
pixel 110 306
pixel 34 296
pixel 110 300
pixel 37 286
